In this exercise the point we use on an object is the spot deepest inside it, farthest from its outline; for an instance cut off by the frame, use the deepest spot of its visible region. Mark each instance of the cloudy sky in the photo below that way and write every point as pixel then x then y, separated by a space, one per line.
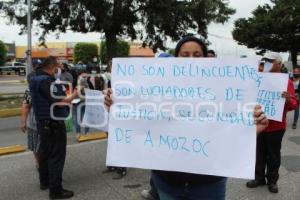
pixel 223 46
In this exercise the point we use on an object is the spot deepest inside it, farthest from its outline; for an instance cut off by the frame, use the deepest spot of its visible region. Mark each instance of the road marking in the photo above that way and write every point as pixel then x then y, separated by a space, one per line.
pixel 92 136
pixel 5 113
pixel 69 146
pixel 12 149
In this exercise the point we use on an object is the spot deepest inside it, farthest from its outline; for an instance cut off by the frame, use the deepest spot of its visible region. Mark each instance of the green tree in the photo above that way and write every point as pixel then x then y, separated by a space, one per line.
pixel 274 26
pixel 171 51
pixel 147 20
pixel 85 52
pixel 3 53
pixel 122 50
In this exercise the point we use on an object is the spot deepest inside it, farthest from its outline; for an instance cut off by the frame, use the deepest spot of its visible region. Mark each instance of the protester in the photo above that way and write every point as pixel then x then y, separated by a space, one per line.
pixel 178 185
pixel 50 112
pixel 211 54
pixel 296 82
pixel 92 80
pixel 28 123
pixel 269 141
pixel 79 107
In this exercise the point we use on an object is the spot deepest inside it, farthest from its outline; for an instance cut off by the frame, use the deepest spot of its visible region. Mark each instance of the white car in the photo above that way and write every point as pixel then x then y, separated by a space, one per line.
pixel 17 67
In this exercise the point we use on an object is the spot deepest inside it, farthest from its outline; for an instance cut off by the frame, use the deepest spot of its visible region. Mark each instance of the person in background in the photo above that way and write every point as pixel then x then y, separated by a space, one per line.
pixel 268 155
pixel 95 60
pixel 94 64
pixel 179 185
pixel 78 105
pixel 65 74
pixel 28 123
pixel 35 66
pixel 49 105
pixel 211 54
pixel 296 82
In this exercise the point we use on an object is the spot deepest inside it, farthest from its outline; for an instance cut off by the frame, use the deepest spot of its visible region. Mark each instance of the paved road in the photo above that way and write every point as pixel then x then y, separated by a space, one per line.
pixel 12 88
pixel 11 77
pixel 85 163
pixel 10 84
pixel 10 134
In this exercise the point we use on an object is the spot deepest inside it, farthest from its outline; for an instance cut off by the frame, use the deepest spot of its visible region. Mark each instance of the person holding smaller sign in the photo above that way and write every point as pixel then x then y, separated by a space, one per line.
pixel 179 185
pixel 269 141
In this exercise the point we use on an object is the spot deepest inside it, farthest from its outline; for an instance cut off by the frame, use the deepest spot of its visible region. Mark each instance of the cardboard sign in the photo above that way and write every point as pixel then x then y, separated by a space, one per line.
pixel 269 95
pixel 182 114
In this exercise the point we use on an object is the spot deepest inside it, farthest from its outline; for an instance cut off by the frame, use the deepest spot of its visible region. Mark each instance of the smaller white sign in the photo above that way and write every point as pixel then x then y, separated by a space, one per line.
pixel 95 115
pixel 269 94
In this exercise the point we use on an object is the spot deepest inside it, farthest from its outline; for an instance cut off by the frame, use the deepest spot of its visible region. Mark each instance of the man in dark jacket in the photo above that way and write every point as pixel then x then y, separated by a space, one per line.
pixel 49 104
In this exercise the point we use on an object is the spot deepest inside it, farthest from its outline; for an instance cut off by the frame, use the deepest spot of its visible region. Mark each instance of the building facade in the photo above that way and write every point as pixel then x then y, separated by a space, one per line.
pixel 64 51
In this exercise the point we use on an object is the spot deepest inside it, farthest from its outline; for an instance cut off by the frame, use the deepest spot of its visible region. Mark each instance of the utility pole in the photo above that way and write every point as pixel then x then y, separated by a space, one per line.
pixel 29 49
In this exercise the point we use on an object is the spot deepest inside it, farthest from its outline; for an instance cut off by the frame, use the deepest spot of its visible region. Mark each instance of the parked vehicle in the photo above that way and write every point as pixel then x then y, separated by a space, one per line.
pixel 6 71
pixel 17 67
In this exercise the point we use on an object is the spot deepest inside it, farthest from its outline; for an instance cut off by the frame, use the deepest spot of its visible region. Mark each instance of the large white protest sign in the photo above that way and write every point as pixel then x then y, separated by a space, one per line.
pixel 181 114
pixel 95 115
pixel 269 95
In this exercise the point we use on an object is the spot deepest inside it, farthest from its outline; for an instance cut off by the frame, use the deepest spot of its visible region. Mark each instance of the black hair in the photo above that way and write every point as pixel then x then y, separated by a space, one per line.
pixel 212 52
pixel 92 66
pixel 190 38
pixel 48 62
pixel 66 67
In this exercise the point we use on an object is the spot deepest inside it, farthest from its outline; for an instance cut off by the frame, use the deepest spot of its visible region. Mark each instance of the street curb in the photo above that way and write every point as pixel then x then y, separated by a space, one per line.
pixel 12 149
pixel 10 112
pixel 92 136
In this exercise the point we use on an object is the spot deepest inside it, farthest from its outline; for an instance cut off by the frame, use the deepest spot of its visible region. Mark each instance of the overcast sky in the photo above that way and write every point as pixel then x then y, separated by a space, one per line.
pixel 223 46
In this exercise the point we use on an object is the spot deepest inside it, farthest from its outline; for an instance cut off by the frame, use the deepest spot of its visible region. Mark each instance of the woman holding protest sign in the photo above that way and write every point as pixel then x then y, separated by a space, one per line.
pixel 178 185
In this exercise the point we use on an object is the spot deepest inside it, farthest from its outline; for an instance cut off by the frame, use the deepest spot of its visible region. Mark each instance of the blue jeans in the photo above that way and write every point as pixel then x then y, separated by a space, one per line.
pixel 212 191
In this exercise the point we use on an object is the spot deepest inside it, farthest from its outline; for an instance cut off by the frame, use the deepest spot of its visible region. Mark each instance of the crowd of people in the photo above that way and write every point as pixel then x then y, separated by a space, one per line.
pixel 47 134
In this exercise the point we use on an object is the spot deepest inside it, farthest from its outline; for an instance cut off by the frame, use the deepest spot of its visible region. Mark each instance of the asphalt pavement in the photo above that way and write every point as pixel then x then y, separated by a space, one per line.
pixel 85 163
pixel 12 84
pixel 10 133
